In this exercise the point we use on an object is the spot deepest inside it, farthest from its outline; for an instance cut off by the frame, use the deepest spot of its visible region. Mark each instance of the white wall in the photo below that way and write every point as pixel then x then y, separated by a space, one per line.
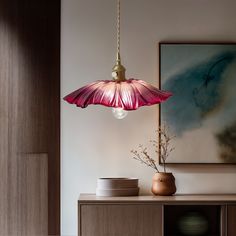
pixel 93 143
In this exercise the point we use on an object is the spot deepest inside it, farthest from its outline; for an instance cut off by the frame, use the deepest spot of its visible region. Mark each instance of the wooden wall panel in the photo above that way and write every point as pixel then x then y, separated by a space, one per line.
pixel 33 200
pixel 29 115
pixel 4 70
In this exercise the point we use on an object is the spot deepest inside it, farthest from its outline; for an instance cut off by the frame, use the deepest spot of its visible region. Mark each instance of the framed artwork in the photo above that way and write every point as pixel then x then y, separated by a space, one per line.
pixel 202 111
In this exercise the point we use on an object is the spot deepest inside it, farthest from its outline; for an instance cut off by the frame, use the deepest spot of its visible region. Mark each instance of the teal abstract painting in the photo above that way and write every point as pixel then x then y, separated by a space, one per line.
pixel 202 111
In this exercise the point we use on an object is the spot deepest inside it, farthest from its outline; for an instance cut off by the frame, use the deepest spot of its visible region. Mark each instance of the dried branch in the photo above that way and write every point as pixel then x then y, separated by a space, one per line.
pixel 143 156
pixel 161 147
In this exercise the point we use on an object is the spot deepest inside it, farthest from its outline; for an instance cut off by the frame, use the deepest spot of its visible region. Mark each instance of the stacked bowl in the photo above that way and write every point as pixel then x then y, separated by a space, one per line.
pixel 114 187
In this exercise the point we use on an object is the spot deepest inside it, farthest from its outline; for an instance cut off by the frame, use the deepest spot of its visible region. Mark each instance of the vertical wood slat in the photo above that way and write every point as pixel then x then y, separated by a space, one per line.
pixel 14 82
pixel 33 203
pixel 4 134
pixel 231 220
pixel 223 220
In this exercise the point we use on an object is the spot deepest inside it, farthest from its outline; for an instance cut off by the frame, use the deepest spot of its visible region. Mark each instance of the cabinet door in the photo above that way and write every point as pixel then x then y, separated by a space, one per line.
pixel 120 220
pixel 231 220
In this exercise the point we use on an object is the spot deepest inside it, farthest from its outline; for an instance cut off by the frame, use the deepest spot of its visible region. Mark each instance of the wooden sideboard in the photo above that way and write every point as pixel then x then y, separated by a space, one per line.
pixel 145 215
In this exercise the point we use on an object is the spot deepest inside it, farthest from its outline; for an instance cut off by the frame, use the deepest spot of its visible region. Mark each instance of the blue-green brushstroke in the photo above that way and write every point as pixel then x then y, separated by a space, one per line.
pixel 197 91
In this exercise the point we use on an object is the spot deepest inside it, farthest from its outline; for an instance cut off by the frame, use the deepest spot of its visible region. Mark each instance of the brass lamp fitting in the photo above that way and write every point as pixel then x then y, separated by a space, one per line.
pixel 118 71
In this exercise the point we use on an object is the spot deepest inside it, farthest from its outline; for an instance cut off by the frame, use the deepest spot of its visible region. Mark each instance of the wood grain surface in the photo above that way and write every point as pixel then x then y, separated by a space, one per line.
pixel 33 200
pixel 178 198
pixel 121 220
pixel 4 132
pixel 231 218
pixel 29 116
pixel 134 215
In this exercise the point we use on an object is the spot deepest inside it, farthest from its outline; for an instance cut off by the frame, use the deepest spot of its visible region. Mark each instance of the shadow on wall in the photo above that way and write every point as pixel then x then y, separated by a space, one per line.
pixel 32 37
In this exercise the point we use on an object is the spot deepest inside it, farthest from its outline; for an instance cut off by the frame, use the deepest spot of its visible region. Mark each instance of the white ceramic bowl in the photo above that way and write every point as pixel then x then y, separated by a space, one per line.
pixel 117 183
pixel 117 187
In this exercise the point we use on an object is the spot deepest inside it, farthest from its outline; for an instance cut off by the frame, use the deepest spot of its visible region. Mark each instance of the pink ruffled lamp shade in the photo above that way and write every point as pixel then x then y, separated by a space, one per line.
pixel 129 94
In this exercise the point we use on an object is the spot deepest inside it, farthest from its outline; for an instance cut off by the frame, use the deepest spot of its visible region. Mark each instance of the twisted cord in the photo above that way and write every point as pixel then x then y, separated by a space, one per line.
pixel 118 26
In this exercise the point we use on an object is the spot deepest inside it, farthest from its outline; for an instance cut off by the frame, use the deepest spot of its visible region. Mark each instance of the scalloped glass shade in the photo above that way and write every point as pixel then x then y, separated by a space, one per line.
pixel 129 94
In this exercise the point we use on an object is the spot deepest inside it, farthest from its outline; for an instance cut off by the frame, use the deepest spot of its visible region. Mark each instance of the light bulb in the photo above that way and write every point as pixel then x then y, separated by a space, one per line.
pixel 119 113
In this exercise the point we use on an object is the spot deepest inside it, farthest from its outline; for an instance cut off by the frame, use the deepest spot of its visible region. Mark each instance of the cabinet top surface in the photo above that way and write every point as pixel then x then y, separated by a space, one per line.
pixel 92 198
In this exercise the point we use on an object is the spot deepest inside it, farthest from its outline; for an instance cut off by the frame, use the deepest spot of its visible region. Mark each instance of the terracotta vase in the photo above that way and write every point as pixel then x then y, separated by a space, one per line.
pixel 163 184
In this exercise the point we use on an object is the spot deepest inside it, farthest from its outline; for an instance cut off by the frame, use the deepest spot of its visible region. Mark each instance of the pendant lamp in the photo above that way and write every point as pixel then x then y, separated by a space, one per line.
pixel 119 93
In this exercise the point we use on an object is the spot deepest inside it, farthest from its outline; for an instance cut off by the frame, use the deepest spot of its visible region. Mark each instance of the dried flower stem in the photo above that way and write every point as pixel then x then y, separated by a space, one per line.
pixel 144 158
pixel 162 148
